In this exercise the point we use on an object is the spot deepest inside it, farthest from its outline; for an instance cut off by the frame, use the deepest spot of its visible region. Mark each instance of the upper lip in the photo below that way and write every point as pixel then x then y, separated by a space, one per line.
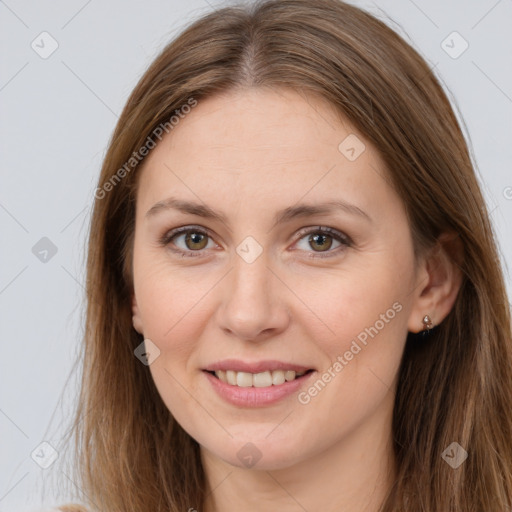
pixel 255 366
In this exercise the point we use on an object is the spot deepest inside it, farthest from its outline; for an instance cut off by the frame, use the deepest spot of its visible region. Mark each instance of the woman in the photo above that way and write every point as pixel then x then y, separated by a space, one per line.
pixel 294 295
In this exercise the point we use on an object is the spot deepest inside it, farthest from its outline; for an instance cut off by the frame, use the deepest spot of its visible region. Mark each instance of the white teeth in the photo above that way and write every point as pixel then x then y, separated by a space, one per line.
pixel 258 380
pixel 231 377
pixel 277 377
pixel 262 380
pixel 222 375
pixel 289 375
pixel 244 380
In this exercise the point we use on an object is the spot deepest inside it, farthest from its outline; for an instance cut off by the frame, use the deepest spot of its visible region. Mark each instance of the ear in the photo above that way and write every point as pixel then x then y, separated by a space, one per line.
pixel 439 278
pixel 137 321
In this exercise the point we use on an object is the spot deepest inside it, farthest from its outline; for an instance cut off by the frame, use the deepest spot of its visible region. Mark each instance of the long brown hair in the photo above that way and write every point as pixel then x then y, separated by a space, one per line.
pixel 456 386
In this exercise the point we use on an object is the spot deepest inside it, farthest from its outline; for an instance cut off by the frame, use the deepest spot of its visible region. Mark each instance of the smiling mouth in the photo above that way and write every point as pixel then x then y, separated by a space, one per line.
pixel 258 380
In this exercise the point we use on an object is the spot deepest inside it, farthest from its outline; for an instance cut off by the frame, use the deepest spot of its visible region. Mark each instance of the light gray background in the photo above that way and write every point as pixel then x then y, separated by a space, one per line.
pixel 57 117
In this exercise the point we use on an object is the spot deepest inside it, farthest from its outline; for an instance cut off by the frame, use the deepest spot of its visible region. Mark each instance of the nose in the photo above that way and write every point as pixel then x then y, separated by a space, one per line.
pixel 253 304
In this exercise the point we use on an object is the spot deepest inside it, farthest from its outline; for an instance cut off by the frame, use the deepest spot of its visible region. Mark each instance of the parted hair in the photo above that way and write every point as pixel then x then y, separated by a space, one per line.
pixel 454 386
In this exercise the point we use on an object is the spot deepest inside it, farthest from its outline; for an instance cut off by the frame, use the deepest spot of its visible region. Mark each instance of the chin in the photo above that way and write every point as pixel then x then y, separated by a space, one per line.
pixel 260 453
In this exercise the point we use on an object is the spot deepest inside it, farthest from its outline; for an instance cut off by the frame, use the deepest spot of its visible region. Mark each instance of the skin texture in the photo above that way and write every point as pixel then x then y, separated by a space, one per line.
pixel 250 153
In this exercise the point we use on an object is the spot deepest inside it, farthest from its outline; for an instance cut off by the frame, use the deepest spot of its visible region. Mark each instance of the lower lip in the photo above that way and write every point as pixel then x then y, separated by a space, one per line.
pixel 255 397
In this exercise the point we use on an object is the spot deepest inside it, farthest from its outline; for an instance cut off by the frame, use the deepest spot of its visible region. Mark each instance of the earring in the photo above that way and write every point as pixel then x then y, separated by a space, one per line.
pixel 427 323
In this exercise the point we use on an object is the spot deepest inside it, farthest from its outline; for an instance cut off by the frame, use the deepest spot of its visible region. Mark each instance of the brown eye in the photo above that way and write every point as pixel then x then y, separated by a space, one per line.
pixel 195 240
pixel 187 241
pixel 321 241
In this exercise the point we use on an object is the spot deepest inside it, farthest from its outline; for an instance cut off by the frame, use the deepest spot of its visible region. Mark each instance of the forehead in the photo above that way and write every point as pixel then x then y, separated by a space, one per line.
pixel 264 144
pixel 271 123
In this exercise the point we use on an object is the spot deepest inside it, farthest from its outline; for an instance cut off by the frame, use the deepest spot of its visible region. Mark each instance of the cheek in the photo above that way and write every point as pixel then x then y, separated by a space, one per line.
pixel 366 300
pixel 364 313
pixel 360 360
pixel 170 310
pixel 167 295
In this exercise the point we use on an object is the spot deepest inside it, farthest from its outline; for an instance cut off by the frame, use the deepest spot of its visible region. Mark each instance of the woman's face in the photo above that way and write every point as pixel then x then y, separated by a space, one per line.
pixel 256 290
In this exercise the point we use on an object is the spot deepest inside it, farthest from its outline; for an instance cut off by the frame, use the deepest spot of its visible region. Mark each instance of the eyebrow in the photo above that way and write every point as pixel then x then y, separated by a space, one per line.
pixel 282 216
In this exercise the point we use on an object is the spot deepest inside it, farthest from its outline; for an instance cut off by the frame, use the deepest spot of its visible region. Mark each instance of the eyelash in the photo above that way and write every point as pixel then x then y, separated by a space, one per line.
pixel 345 240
